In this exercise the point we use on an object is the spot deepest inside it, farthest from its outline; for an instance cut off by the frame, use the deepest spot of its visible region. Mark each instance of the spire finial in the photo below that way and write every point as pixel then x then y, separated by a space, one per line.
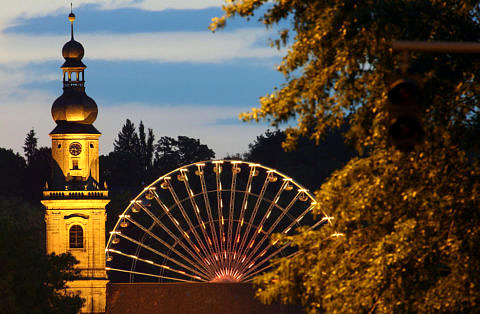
pixel 71 17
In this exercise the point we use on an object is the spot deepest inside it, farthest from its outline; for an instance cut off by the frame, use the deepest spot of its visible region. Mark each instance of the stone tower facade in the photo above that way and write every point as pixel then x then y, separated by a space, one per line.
pixel 74 200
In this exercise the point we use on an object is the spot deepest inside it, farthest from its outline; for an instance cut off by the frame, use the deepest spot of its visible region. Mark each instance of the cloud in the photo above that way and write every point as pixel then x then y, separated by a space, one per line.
pixel 195 47
pixel 12 10
pixel 189 120
pixel 32 110
pixel 156 5
pixel 21 112
pixel 22 109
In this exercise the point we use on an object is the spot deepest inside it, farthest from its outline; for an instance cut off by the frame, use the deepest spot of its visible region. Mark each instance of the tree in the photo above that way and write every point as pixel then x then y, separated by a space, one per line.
pixel 146 147
pixel 407 225
pixel 22 178
pixel 12 176
pixel 340 63
pixel 30 146
pixel 30 280
pixel 37 173
pixel 309 164
pixel 127 140
pixel 132 158
pixel 172 153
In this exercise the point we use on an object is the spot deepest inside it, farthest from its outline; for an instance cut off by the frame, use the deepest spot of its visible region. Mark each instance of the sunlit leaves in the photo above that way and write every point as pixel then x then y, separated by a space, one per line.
pixel 408 235
pixel 411 221
pixel 340 61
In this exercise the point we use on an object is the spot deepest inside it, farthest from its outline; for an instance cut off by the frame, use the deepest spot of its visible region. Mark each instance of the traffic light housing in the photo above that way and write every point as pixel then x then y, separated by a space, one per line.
pixel 405 111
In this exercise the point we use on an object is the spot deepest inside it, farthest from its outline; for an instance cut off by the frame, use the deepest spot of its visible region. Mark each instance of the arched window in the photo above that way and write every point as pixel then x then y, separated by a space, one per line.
pixel 76 237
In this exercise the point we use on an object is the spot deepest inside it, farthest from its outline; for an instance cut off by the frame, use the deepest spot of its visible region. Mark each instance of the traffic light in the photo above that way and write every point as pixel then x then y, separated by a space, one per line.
pixel 405 109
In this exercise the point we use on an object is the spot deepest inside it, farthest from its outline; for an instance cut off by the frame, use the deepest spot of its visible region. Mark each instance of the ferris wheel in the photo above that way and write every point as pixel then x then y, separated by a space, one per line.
pixel 208 221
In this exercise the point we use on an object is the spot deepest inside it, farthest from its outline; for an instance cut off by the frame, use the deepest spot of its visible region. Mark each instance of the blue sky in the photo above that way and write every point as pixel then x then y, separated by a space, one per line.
pixel 149 60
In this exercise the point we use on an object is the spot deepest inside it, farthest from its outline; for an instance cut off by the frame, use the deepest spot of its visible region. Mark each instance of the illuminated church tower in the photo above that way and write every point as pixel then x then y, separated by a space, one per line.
pixel 74 200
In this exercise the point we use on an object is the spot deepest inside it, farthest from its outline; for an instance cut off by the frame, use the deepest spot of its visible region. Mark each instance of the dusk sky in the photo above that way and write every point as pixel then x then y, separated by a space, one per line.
pixel 150 60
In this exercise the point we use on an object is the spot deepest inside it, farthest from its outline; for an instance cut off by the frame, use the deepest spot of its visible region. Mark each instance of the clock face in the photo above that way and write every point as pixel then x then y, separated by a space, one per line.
pixel 75 148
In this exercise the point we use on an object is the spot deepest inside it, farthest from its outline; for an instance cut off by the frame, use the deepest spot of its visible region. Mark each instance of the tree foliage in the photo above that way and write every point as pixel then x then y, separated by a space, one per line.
pixel 127 140
pixel 38 173
pixel 30 280
pixel 30 146
pixel 12 176
pixel 22 177
pixel 131 161
pixel 340 61
pixel 172 153
pixel 410 221
pixel 309 164
pixel 410 244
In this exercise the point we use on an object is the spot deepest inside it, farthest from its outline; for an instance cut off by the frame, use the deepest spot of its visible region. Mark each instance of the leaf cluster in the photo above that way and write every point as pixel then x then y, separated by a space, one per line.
pixel 340 62
pixel 30 280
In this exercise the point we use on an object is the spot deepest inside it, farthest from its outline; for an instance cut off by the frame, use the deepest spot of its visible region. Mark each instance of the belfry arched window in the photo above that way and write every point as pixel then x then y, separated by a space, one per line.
pixel 76 237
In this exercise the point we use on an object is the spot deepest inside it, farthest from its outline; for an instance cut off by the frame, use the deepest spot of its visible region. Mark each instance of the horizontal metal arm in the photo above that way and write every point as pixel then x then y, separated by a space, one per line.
pixel 436 46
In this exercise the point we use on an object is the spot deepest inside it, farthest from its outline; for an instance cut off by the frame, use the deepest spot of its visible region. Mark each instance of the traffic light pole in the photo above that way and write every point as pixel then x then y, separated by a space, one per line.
pixel 437 46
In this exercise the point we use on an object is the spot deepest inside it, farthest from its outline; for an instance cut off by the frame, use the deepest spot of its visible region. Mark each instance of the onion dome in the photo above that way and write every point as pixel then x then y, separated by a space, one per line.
pixel 72 51
pixel 74 105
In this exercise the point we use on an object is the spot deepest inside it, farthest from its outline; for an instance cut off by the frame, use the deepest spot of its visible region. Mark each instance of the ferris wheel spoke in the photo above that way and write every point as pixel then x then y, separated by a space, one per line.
pixel 249 277
pixel 252 265
pixel 147 247
pixel 221 221
pixel 166 267
pixel 235 170
pixel 191 196
pixel 147 274
pixel 253 172
pixel 243 247
pixel 262 222
pixel 209 214
pixel 284 246
pixel 196 256
pixel 208 250
pixel 275 223
pixel 187 220
pixel 170 247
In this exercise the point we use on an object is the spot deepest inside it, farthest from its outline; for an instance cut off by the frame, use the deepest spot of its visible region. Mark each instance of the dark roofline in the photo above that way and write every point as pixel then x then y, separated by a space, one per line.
pixel 64 127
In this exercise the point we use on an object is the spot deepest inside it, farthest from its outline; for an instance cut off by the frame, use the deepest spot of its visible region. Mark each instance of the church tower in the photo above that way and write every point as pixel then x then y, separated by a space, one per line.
pixel 75 201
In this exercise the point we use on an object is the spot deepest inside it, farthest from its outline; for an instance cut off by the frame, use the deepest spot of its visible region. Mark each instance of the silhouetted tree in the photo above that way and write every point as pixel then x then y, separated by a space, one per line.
pixel 127 140
pixel 37 173
pixel 309 164
pixel 30 280
pixel 37 170
pixel 121 170
pixel 145 147
pixel 12 175
pixel 30 146
pixel 172 153
pixel 131 161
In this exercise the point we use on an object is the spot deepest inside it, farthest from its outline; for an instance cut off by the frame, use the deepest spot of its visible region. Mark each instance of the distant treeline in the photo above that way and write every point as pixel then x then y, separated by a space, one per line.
pixel 138 159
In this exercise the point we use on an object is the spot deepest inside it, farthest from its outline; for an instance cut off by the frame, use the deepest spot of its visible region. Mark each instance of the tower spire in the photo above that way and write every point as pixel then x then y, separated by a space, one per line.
pixel 74 106
pixel 71 17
